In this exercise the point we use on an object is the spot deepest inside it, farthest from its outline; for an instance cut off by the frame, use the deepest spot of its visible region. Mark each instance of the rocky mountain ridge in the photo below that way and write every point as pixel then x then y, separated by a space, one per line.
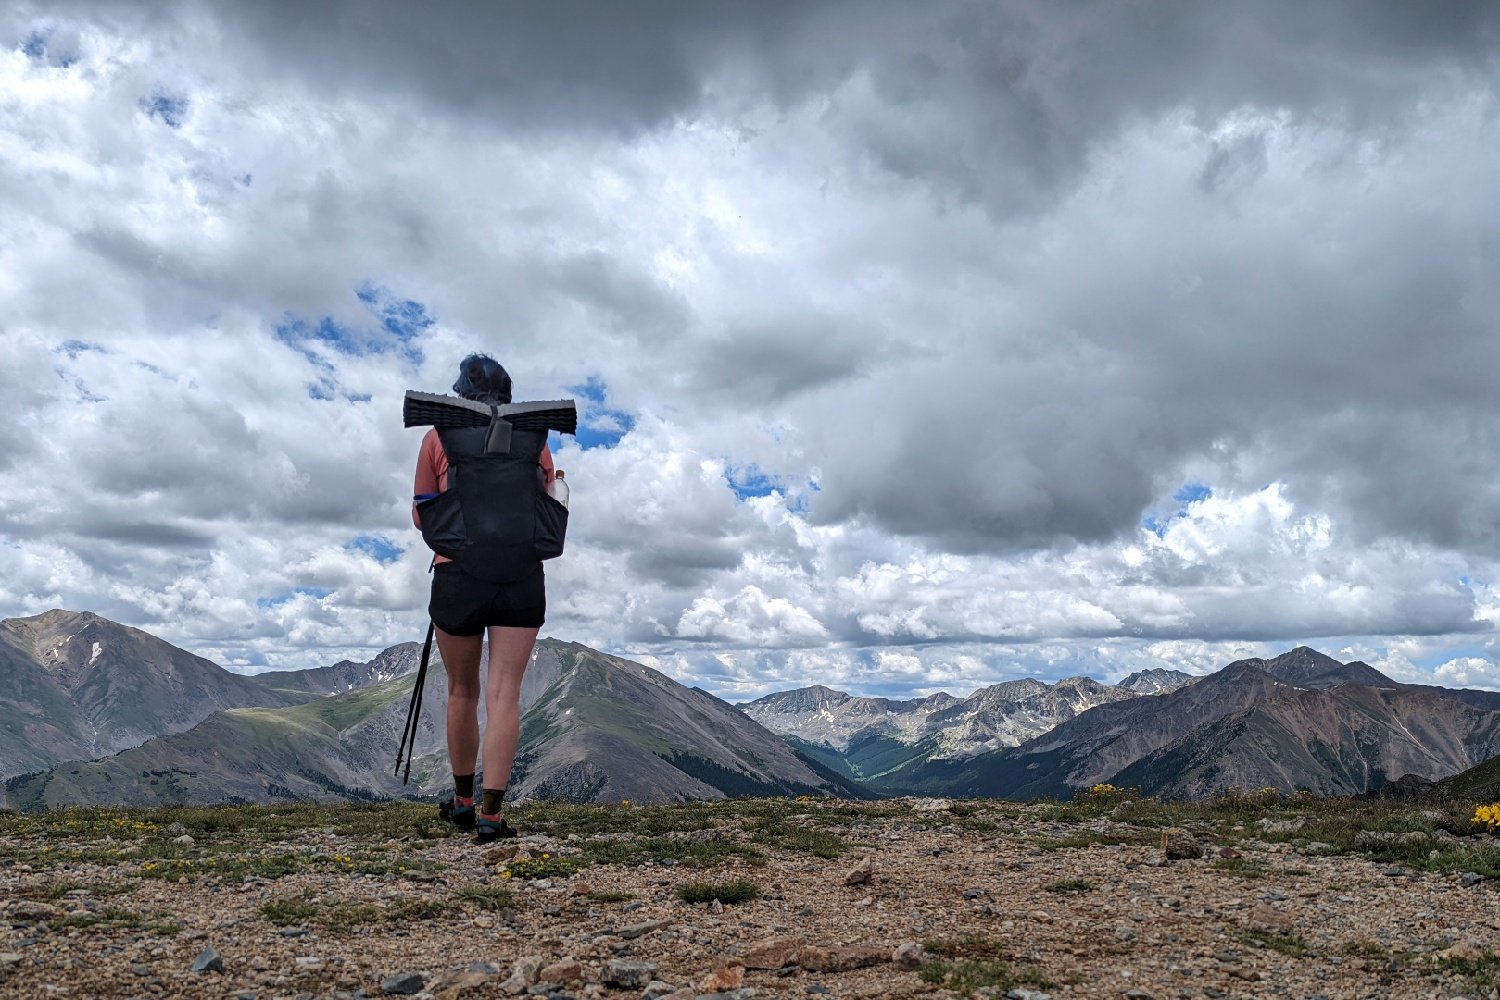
pixel 594 728
pixel 1302 720
pixel 1000 715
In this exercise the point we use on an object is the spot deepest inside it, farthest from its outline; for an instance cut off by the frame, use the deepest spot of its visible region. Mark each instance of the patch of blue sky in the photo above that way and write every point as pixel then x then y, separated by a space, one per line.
pixel 168 109
pixel 401 323
pixel 276 601
pixel 34 46
pixel 1192 493
pixel 404 319
pixel 377 547
pixel 1157 522
pixel 750 481
pixel 599 425
pixel 244 179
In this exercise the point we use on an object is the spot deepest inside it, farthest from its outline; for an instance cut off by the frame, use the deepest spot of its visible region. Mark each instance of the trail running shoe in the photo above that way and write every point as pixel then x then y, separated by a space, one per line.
pixel 486 829
pixel 463 816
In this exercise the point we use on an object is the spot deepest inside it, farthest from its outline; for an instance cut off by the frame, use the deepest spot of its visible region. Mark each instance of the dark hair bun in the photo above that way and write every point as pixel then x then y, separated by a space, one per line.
pixel 481 378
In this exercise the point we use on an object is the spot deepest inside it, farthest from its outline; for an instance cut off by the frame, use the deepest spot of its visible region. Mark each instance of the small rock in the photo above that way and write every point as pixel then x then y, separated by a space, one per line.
pixel 628 974
pixel 973 893
pixel 1269 919
pixel 908 955
pixel 1471 878
pixel 716 906
pixel 1373 838
pixel 10 959
pixel 208 960
pixel 1282 825
pixel 1041 917
pixel 27 910
pixel 185 840
pixel 636 930
pixel 1178 844
pixel 931 805
pixel 774 953
pixel 1136 993
pixel 309 962
pixel 1467 950
pixel 525 972
pixel 656 990
pixel 842 959
pixel 404 984
pixel 1025 994
pixel 1229 852
pixel 861 873
pixel 722 980
pixel 1120 812
pixel 568 970
pixel 502 852
pixel 817 988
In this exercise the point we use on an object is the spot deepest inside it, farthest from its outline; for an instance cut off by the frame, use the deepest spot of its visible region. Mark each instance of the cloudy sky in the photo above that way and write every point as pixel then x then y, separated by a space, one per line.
pixel 919 346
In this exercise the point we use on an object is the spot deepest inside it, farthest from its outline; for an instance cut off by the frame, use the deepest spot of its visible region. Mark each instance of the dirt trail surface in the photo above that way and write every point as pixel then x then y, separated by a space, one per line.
pixel 902 898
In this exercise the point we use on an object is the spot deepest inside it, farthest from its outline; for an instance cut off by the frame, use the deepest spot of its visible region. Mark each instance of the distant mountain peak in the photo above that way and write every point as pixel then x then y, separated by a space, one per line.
pixel 1306 667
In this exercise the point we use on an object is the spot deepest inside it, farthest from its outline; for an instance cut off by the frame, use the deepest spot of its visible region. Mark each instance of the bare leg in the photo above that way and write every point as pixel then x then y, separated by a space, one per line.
pixel 461 661
pixel 510 652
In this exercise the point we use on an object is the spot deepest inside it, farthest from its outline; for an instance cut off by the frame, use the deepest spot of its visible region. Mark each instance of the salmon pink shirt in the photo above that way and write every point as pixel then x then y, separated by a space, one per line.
pixel 432 473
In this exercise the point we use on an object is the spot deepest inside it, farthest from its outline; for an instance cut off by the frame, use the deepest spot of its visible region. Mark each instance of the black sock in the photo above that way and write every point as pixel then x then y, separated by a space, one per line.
pixel 463 786
pixel 493 797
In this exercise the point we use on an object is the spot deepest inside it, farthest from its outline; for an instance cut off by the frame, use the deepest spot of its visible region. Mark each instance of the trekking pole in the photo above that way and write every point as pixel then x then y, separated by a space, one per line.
pixel 414 711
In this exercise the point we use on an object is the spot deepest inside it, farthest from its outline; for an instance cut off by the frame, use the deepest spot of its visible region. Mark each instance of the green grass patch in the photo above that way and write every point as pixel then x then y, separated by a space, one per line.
pixel 289 912
pixel 649 850
pixel 108 915
pixel 1364 949
pixel 1288 944
pixel 968 946
pixel 966 976
pixel 728 893
pixel 54 891
pixel 486 897
pixel 1071 885
pixel 778 833
pixel 1241 867
pixel 544 866
pixel 1483 973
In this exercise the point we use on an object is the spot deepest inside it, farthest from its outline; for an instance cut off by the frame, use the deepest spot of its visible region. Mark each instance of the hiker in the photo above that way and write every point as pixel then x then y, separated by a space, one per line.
pixel 496 592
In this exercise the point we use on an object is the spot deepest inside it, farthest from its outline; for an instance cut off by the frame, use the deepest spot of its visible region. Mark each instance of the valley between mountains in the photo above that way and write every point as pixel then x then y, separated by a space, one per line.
pixel 97 712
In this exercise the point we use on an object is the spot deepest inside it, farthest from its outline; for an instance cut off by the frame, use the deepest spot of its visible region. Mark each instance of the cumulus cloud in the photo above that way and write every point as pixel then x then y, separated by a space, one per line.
pixel 900 332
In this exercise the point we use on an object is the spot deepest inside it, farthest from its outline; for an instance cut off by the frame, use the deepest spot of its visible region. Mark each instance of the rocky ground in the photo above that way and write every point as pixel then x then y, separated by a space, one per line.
pixel 905 898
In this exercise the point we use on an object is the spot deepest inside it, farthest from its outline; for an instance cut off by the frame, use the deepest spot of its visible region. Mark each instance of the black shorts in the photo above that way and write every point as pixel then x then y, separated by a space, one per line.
pixel 462 605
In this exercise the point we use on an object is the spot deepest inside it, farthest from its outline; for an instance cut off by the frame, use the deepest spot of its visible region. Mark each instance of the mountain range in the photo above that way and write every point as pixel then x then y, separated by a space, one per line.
pixel 1301 720
pixel 595 727
pixel 96 712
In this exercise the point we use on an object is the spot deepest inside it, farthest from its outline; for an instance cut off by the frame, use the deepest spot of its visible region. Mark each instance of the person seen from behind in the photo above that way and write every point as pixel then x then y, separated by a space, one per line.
pixel 491 590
